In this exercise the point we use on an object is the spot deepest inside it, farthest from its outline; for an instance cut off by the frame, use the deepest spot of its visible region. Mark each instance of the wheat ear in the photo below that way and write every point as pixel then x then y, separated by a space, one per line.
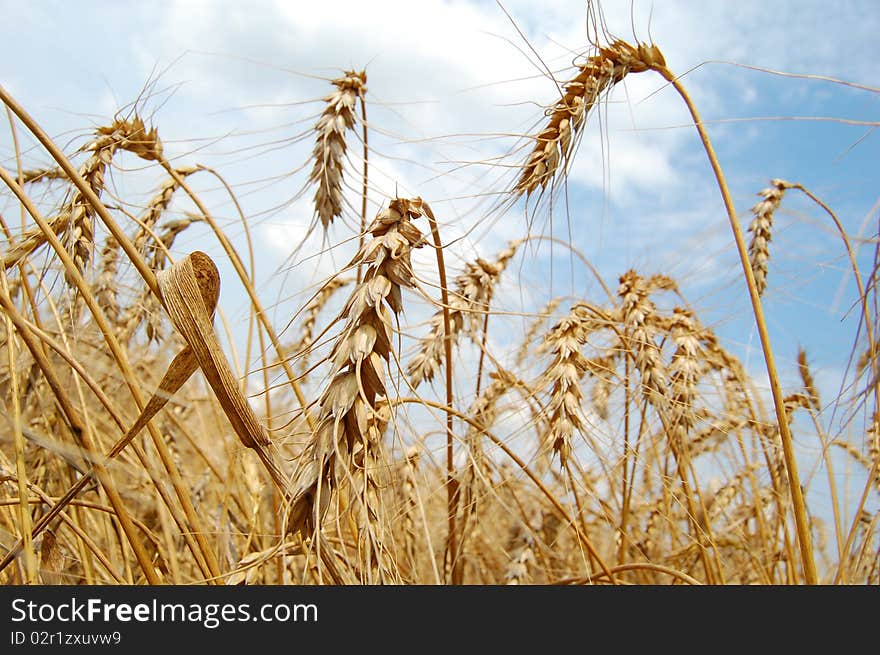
pixel 684 371
pixel 41 175
pixel 598 74
pixel 330 147
pixel 157 205
pixel 873 434
pixel 474 288
pixel 761 230
pixel 358 360
pixel 77 216
pixel 563 375
pixel 522 545
pixel 637 313
pixel 303 344
pixel 129 135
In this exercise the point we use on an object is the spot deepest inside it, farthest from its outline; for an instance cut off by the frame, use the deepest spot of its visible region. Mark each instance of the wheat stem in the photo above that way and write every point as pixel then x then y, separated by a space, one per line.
pixel 799 505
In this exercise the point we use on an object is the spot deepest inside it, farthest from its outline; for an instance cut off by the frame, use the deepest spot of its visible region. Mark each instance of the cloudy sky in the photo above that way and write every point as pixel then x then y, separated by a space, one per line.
pixel 237 86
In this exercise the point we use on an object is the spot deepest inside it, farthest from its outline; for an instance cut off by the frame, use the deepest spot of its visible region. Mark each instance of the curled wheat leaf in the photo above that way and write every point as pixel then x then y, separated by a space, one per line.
pixel 183 288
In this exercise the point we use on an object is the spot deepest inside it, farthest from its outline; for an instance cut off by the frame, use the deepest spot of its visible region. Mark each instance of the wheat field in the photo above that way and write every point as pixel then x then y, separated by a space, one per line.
pixel 399 419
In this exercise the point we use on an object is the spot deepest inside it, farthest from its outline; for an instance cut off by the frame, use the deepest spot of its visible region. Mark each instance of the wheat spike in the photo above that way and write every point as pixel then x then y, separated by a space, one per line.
pixel 157 205
pixel 684 370
pixel 598 74
pixel 601 369
pixel 409 491
pixel 474 288
pixel 484 412
pixel 77 216
pixel 146 309
pixel 358 359
pixel 761 229
pixel 106 286
pixel 303 344
pixel 522 548
pixel 638 313
pixel 130 135
pixel 564 375
pixel 807 379
pixel 874 449
pixel 535 328
pixel 330 147
pixel 157 254
pixel 42 175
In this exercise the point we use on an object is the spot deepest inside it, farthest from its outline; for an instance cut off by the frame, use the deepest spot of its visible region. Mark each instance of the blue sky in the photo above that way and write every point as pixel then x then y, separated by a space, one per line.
pixel 451 82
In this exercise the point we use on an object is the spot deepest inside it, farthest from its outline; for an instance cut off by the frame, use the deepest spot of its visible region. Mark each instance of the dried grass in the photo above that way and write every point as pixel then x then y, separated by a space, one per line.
pixel 672 470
